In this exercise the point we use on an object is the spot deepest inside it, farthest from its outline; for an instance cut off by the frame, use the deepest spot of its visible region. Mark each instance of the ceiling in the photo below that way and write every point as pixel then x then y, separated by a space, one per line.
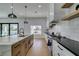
pixel 32 9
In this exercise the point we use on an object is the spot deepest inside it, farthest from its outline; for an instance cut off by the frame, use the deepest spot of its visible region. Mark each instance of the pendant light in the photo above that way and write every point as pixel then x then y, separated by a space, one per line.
pixel 12 15
pixel 25 22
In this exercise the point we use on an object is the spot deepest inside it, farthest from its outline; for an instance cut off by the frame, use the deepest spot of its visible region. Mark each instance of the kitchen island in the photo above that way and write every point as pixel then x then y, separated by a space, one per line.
pixel 15 45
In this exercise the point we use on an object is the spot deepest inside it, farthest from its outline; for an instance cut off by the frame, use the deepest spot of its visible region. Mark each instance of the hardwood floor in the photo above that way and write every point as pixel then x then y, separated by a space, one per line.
pixel 39 48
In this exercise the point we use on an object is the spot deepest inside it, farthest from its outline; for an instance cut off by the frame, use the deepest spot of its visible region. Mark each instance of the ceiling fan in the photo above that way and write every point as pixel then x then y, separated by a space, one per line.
pixel 12 15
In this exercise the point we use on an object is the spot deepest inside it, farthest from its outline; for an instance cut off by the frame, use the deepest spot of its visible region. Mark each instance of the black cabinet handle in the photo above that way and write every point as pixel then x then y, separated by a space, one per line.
pixel 17 46
pixel 58 54
pixel 60 48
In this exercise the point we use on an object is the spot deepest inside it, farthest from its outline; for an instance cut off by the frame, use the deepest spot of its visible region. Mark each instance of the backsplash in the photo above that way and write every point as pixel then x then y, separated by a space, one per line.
pixel 69 29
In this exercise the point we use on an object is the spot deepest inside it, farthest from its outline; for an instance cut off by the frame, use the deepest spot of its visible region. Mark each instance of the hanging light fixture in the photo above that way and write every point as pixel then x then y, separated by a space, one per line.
pixel 12 15
pixel 26 22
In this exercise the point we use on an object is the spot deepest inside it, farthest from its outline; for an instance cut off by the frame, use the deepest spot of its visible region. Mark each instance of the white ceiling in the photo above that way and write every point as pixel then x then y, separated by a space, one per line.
pixel 19 9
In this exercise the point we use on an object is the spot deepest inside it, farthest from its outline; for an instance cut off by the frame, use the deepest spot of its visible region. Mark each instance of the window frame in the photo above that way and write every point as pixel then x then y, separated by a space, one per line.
pixel 9 28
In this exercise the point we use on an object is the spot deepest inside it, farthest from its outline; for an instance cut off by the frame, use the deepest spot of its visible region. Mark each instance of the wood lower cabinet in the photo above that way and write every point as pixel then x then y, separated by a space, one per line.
pixel 30 41
pixel 26 46
pixel 16 49
pixel 21 48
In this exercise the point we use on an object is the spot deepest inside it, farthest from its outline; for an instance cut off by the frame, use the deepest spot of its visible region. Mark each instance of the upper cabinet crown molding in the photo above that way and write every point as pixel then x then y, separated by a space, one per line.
pixel 72 15
pixel 67 5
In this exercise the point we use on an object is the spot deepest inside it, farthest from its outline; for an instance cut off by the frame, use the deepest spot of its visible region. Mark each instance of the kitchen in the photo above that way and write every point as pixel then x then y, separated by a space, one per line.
pixel 21 29
pixel 66 30
pixel 39 29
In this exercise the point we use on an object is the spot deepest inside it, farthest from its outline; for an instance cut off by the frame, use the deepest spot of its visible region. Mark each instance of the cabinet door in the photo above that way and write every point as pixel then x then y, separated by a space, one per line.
pixel 16 49
pixel 23 48
pixel 31 38
pixel 26 46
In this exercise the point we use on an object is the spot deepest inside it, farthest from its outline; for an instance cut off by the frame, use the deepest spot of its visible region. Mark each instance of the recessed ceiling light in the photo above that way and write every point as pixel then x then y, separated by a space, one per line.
pixel 39 6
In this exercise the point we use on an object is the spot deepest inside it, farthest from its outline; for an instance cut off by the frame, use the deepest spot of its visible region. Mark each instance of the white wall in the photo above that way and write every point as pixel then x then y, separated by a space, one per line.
pixel 69 29
pixel 20 21
pixel 58 11
pixel 36 21
pixel 32 21
pixel 51 14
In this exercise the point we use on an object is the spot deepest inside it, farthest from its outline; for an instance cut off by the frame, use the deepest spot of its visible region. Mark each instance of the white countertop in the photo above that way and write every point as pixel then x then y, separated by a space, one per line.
pixel 9 40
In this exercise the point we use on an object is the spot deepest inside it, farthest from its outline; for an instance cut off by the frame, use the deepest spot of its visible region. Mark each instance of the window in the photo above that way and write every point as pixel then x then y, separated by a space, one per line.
pixel 36 29
pixel 7 29
pixel 13 29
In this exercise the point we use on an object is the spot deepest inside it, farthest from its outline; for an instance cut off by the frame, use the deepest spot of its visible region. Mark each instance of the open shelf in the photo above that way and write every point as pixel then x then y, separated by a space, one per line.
pixel 67 5
pixel 71 16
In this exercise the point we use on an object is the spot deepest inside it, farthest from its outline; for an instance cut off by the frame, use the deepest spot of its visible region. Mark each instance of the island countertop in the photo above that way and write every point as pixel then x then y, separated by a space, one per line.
pixel 9 40
pixel 15 45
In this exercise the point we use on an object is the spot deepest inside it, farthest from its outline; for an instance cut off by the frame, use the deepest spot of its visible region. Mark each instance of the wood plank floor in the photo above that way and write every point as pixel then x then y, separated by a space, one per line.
pixel 39 48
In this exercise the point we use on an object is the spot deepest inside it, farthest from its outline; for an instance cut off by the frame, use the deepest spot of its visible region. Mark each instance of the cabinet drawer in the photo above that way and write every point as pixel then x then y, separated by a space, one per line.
pixel 64 51
pixel 59 50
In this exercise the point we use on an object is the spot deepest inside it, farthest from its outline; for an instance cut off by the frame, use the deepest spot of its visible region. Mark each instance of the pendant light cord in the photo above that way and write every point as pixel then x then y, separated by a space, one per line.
pixel 25 12
pixel 12 15
pixel 25 15
pixel 12 8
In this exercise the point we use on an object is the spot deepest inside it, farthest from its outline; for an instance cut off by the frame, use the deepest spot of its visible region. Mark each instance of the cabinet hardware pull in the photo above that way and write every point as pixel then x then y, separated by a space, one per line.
pixel 60 48
pixel 17 45
pixel 58 54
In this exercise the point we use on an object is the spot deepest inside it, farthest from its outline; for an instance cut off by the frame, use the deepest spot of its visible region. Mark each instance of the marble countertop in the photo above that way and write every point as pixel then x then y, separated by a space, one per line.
pixel 9 40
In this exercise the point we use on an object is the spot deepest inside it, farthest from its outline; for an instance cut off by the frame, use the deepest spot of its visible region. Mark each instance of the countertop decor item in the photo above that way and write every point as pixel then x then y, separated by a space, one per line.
pixel 12 15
